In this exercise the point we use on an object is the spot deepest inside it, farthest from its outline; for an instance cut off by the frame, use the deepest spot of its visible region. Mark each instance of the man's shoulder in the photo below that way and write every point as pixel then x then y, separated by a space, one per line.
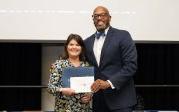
pixel 88 38
pixel 119 30
pixel 122 34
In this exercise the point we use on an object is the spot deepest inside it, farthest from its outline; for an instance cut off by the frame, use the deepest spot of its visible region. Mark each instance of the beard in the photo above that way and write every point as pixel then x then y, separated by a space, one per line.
pixel 101 27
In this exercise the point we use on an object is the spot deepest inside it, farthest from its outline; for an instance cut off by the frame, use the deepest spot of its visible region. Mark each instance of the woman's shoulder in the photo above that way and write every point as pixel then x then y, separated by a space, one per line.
pixel 60 63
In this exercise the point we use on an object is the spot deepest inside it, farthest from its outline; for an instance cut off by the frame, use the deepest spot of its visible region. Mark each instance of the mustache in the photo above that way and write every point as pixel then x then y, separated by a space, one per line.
pixel 100 27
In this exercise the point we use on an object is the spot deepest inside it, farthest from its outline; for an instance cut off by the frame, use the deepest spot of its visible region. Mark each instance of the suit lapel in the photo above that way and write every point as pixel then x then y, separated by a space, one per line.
pixel 91 44
pixel 105 45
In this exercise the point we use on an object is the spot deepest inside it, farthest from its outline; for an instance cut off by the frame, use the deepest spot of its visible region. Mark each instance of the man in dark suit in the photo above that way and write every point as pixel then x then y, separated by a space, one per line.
pixel 113 54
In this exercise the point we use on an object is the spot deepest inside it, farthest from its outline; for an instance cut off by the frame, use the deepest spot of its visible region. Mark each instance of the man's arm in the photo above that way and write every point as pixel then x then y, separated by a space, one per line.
pixel 129 60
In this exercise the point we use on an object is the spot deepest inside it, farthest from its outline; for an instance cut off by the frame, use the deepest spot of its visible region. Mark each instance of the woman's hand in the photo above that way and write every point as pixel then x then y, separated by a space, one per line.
pixel 67 91
pixel 86 98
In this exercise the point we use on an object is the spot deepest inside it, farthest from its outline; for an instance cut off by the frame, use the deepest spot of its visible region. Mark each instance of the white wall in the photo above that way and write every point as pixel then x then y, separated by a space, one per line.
pixel 147 20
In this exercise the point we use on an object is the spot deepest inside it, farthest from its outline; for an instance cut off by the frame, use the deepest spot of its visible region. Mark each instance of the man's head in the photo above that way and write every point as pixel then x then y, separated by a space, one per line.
pixel 101 18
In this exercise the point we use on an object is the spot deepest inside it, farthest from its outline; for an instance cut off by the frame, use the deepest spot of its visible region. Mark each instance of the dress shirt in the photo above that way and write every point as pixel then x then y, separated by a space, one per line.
pixel 98 44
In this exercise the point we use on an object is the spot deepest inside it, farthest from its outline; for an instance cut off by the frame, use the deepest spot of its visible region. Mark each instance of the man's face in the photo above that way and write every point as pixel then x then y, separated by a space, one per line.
pixel 101 18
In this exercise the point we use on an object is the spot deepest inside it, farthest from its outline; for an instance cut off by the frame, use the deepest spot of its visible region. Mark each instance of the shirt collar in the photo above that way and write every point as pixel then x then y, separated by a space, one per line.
pixel 105 32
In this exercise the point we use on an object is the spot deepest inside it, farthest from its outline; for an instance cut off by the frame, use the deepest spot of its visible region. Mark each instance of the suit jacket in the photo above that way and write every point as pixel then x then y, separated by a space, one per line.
pixel 118 63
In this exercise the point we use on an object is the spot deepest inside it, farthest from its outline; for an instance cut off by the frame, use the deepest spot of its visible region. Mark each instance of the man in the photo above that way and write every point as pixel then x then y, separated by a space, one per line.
pixel 113 54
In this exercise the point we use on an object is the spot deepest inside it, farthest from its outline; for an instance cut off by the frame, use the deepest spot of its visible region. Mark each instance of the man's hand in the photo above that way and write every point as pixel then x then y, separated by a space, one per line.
pixel 99 84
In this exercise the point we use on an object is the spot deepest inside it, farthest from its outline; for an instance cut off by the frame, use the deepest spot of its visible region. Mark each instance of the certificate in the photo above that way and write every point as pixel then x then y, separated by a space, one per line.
pixel 81 84
pixel 73 72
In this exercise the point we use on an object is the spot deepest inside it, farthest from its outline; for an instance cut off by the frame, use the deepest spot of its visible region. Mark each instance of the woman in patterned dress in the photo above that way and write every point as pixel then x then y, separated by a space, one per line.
pixel 66 99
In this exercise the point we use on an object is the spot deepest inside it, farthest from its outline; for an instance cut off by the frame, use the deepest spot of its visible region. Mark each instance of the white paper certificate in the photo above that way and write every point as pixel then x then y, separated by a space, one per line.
pixel 81 84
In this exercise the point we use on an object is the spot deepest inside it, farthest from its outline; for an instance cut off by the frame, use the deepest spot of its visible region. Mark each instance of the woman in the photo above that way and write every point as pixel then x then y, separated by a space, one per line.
pixel 66 100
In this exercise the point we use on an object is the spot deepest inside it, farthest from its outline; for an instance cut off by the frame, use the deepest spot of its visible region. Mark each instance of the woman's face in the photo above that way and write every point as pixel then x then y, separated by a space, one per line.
pixel 73 49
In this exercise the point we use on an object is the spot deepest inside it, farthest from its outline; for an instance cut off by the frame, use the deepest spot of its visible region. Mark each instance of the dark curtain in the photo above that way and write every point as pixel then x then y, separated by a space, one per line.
pixel 158 65
pixel 20 64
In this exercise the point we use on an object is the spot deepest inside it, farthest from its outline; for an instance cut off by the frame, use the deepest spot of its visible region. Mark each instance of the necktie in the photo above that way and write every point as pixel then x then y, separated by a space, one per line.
pixel 99 34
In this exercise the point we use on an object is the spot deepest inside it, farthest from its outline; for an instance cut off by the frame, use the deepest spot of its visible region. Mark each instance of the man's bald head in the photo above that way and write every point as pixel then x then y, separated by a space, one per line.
pixel 101 18
pixel 101 8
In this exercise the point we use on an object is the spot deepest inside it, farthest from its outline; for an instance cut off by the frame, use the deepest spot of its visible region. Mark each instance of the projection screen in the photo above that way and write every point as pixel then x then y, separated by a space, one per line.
pixel 53 20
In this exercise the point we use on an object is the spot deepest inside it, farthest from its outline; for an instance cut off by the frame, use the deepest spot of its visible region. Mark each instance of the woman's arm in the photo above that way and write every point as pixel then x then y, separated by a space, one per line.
pixel 54 83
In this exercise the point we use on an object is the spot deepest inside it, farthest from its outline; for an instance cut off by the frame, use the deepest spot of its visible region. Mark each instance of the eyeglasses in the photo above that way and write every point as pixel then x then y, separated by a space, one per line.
pixel 103 15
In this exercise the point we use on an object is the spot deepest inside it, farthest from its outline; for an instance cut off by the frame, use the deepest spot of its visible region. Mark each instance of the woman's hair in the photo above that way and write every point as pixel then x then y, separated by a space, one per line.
pixel 79 40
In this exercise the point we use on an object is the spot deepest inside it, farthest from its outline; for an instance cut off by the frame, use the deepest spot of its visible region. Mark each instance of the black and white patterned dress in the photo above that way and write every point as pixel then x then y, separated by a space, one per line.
pixel 65 103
